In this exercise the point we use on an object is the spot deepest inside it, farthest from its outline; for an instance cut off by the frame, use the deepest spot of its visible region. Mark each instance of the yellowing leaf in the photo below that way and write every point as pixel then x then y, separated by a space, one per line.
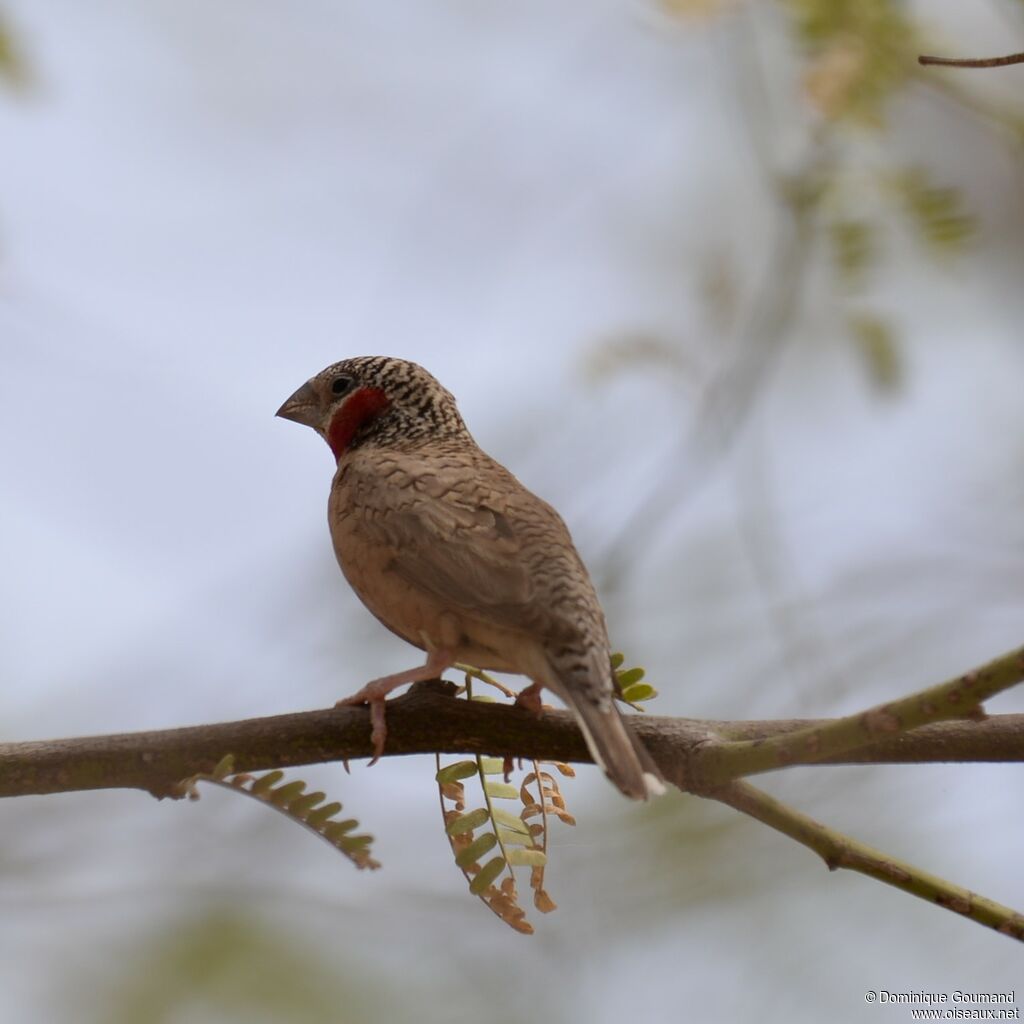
pixel 453 791
pixel 543 902
pixel 534 858
pixel 510 838
pixel 512 821
pixel 501 790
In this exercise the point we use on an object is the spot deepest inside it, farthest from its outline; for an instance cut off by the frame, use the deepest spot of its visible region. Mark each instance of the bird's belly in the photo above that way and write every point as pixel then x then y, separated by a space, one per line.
pixel 420 619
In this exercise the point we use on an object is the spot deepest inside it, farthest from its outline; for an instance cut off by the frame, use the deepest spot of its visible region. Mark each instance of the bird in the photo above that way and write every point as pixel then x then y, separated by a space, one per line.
pixel 458 558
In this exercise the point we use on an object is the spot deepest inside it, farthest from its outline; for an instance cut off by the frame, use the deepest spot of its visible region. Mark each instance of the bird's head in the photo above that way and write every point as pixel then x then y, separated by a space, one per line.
pixel 374 400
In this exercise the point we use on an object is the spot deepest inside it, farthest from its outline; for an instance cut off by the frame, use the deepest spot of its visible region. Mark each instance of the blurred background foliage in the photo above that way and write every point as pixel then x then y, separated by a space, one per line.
pixel 735 284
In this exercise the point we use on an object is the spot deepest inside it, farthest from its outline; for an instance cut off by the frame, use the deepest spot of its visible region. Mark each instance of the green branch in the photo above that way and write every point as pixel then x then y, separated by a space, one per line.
pixel 957 698
pixel 840 851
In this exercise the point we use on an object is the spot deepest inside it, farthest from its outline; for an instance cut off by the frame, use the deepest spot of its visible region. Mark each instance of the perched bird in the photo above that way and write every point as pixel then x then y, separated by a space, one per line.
pixel 452 553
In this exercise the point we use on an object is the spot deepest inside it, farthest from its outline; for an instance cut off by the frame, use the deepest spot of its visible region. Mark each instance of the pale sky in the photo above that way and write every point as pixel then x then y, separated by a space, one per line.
pixel 202 206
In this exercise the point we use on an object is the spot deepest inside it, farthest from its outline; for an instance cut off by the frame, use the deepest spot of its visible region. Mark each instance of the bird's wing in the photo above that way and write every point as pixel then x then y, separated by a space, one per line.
pixel 472 536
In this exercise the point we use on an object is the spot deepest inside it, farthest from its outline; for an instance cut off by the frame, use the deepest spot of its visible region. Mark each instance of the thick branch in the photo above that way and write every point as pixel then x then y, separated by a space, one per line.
pixel 429 720
pixel 698 756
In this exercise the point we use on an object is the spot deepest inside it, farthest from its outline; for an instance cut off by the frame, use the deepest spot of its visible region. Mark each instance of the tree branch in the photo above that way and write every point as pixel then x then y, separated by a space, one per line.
pixel 973 62
pixel 958 698
pixel 428 720
pixel 840 851
pixel 943 723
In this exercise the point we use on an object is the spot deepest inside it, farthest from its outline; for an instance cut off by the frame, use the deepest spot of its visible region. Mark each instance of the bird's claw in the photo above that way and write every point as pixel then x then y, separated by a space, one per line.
pixel 530 699
pixel 375 692
pixel 379 729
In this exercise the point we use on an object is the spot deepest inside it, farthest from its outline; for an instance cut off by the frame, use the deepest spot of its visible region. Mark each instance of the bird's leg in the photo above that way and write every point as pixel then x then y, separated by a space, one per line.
pixel 375 693
pixel 530 698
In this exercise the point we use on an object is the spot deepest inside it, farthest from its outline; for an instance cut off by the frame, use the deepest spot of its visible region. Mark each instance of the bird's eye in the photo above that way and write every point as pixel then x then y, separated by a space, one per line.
pixel 340 385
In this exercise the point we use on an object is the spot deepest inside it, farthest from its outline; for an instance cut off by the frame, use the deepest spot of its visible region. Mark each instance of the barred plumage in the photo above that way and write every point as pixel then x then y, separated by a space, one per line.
pixel 453 554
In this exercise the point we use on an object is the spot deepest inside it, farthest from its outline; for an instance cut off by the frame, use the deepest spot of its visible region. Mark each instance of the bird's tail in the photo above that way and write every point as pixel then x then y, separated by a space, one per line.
pixel 621 756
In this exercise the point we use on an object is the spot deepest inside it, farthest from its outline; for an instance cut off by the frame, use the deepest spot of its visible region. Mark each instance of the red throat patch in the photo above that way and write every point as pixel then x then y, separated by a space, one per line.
pixel 362 406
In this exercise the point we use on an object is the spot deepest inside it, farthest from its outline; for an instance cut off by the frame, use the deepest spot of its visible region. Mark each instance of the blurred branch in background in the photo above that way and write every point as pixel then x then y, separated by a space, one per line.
pixel 837 199
pixel 14 69
pixel 973 62
pixel 729 394
pixel 846 145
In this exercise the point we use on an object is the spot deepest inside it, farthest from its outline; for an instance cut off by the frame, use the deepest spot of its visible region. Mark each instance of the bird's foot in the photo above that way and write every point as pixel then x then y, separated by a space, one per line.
pixel 376 691
pixel 530 698
pixel 375 694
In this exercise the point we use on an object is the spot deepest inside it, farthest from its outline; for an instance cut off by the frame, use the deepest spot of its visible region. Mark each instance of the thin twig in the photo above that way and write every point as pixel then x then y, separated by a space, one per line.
pixel 728 398
pixel 973 62
pixel 840 851
pixel 960 697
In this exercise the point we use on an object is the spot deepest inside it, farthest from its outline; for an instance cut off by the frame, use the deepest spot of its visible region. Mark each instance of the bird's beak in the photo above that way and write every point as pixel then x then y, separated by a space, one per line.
pixel 303 407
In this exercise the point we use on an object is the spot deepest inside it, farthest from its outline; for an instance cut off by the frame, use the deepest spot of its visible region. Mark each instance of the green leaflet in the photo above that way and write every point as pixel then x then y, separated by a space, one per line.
pixel 501 790
pixel 510 838
pixel 225 767
pixel 638 692
pixel 454 772
pixel 476 849
pixel 316 818
pixel 336 829
pixel 486 876
pixel 303 804
pixel 533 858
pixel 292 800
pixel 511 821
pixel 467 822
pixel 512 841
pixel 265 782
pixel 283 795
pixel 629 677
pixel 357 842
